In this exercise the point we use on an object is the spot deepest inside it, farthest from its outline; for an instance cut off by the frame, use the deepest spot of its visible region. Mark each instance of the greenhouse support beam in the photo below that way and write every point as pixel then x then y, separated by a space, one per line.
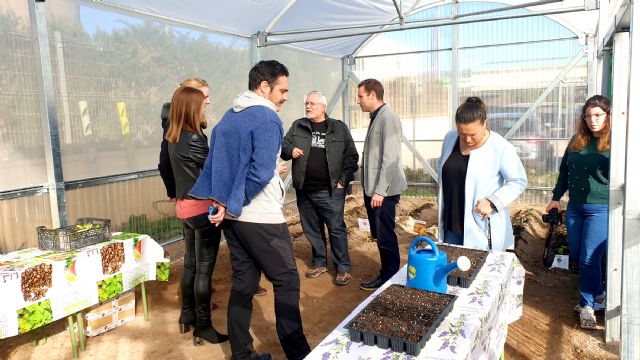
pixel 398 5
pixel 592 65
pixel 616 186
pixel 417 52
pixel 611 21
pixel 630 306
pixel 48 113
pixel 280 15
pixel 544 94
pixel 336 96
pixel 421 21
pixel 455 52
pixel 266 42
pixel 347 64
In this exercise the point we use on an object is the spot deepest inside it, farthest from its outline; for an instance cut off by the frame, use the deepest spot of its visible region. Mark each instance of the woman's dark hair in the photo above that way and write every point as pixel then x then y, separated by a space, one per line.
pixel 185 113
pixel 584 134
pixel 266 70
pixel 472 110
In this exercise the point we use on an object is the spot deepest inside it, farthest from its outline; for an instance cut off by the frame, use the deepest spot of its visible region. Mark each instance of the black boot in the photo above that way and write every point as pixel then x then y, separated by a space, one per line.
pixel 208 333
pixel 187 319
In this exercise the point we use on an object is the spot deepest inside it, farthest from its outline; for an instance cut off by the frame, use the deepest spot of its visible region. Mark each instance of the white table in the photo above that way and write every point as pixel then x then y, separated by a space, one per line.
pixel 476 327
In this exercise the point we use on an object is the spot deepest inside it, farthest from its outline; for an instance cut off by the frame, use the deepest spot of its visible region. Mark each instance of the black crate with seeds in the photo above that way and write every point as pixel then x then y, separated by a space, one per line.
pixel 87 231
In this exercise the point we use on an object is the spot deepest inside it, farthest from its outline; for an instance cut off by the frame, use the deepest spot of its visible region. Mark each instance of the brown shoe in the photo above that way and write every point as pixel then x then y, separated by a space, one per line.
pixel 342 278
pixel 314 272
pixel 261 291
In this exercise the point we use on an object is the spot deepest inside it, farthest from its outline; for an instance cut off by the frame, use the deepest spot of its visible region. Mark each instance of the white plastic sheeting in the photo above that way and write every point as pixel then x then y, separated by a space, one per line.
pixel 248 17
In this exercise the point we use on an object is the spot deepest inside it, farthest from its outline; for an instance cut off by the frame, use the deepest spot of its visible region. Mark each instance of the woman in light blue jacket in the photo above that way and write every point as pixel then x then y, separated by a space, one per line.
pixel 480 174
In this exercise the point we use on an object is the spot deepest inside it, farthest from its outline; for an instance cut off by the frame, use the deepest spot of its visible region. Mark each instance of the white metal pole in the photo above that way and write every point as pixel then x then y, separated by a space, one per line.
pixel 616 185
pixel 630 306
pixel 48 113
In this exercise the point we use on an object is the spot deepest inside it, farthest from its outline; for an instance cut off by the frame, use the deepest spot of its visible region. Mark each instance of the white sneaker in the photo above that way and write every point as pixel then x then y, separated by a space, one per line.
pixel 588 318
pixel 599 304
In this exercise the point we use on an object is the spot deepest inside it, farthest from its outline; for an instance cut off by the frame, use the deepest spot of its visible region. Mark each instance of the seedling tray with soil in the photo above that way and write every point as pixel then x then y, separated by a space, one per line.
pixel 457 277
pixel 400 318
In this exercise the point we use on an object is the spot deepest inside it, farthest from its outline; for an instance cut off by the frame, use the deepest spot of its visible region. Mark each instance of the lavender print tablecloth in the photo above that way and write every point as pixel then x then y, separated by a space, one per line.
pixel 476 327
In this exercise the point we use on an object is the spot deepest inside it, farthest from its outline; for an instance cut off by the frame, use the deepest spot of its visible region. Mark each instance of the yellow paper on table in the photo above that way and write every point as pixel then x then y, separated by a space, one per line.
pixel 124 120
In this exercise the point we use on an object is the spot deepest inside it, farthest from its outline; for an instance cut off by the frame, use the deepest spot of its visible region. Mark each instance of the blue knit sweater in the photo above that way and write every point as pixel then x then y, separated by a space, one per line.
pixel 242 157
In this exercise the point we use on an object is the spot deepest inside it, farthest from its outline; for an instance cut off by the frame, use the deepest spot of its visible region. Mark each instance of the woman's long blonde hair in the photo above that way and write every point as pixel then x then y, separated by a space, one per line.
pixel 185 113
pixel 584 134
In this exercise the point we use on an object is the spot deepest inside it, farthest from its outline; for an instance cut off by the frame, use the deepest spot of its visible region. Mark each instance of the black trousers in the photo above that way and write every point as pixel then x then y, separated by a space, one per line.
pixel 201 241
pixel 382 222
pixel 266 248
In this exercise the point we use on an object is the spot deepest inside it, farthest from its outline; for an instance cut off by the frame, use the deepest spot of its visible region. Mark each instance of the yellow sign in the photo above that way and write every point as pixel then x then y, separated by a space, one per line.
pixel 124 120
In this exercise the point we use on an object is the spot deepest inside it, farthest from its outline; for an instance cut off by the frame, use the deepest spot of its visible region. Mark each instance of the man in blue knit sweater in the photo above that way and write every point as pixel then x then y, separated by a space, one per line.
pixel 241 176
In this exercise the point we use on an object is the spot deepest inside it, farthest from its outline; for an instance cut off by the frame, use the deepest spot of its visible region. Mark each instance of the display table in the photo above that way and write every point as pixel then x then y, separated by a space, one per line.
pixel 39 287
pixel 476 327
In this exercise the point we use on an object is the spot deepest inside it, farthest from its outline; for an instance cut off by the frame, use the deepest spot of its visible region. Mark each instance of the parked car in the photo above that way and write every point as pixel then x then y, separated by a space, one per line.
pixel 533 151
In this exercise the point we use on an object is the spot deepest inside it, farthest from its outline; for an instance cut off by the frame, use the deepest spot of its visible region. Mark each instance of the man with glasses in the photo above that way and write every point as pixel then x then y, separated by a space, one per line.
pixel 324 160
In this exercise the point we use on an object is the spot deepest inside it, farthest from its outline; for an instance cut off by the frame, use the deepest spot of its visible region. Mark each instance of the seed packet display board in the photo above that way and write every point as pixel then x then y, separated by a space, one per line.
pixel 39 287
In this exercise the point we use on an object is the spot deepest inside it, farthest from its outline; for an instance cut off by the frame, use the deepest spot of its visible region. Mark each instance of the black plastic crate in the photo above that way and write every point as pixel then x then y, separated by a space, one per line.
pixel 386 341
pixel 463 281
pixel 86 231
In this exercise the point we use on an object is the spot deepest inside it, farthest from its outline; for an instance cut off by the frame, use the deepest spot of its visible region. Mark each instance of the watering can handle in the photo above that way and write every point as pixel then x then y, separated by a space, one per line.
pixel 434 247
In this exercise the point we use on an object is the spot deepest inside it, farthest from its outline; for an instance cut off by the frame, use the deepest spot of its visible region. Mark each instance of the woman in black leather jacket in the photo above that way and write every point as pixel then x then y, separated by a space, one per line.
pixel 188 149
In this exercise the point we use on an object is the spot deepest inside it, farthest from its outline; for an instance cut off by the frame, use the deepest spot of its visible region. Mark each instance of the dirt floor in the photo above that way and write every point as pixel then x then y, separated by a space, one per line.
pixel 549 328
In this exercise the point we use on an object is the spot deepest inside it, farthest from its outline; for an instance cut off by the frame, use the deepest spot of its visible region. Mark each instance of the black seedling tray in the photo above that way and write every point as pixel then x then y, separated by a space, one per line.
pixel 384 312
pixel 464 280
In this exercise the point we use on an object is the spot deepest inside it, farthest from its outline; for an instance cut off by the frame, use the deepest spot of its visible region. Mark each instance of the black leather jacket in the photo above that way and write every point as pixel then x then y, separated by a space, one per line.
pixel 187 159
pixel 164 163
pixel 342 155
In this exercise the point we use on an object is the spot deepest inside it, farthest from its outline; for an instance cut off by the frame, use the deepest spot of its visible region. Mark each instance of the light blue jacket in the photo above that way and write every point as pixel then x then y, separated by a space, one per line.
pixel 495 172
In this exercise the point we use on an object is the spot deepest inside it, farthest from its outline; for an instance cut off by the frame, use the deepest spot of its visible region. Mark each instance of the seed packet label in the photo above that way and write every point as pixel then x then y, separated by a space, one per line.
pixel 420 227
pixel 561 262
pixel 363 224
pixel 134 274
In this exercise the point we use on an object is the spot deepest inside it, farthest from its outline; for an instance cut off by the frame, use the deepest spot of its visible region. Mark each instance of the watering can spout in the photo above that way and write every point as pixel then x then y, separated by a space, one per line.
pixel 462 263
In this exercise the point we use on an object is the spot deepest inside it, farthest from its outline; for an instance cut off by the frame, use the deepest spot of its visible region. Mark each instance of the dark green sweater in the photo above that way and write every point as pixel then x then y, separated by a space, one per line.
pixel 585 174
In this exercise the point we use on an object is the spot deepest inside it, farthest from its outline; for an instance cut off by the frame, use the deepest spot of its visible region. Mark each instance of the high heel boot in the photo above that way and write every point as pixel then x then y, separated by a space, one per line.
pixel 204 329
pixel 185 323
pixel 209 334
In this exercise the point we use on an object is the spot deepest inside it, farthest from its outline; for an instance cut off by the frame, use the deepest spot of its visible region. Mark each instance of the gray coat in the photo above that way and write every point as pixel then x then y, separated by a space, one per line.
pixel 382 170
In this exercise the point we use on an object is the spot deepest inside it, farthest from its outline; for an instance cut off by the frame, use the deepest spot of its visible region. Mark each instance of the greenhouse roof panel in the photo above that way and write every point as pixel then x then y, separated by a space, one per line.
pixel 292 21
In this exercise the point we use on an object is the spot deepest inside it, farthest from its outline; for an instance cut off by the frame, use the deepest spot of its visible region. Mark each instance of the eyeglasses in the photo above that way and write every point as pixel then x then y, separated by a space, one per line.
pixel 311 103
pixel 596 116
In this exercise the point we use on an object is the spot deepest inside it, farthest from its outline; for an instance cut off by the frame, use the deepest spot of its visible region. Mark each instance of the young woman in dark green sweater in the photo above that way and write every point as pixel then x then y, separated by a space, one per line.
pixel 584 172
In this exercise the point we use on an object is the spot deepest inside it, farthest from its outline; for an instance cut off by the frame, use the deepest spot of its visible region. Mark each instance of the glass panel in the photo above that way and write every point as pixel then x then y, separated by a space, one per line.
pixel 307 72
pixel 21 147
pixel 112 75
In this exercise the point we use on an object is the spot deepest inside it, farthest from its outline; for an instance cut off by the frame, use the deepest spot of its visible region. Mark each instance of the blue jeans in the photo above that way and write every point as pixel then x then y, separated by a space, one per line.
pixel 587 230
pixel 382 222
pixel 318 208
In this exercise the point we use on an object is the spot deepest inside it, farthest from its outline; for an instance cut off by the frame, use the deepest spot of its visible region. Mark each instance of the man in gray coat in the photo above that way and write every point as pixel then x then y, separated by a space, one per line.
pixel 382 177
